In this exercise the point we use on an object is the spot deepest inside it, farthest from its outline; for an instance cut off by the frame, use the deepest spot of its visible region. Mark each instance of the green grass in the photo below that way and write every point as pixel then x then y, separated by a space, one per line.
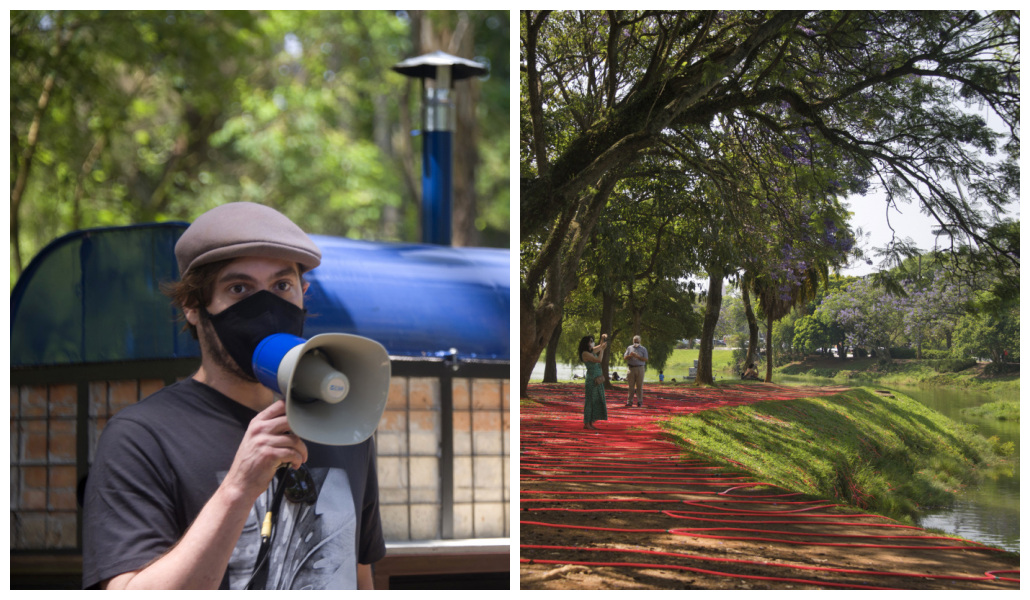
pixel 877 453
pixel 1001 410
pixel 679 364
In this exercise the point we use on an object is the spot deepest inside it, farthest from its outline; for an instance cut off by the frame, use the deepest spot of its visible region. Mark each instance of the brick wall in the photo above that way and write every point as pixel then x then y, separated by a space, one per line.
pixel 408 441
pixel 481 437
pixel 44 444
pixel 43 472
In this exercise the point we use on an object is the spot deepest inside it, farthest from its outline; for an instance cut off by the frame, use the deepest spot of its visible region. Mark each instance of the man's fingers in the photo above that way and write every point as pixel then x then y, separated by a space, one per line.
pixel 272 422
pixel 276 409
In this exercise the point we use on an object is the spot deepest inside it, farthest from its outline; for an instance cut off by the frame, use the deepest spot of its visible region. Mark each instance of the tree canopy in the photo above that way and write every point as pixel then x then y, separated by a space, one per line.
pixel 832 102
pixel 120 117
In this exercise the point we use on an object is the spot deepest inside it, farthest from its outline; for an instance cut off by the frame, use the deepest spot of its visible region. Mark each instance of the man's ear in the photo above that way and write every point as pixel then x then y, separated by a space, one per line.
pixel 192 315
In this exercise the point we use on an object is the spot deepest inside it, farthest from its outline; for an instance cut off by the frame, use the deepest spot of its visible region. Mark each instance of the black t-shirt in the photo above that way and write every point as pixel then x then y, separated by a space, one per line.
pixel 159 461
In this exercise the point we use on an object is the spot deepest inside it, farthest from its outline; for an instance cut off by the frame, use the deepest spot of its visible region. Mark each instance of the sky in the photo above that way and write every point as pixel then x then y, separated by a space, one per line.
pixel 871 214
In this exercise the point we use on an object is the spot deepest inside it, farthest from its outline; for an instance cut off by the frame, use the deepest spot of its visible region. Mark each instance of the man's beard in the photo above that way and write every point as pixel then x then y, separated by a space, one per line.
pixel 211 347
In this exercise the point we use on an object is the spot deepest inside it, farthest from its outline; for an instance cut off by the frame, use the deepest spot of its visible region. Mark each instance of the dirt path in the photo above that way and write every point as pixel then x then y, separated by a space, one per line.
pixel 622 508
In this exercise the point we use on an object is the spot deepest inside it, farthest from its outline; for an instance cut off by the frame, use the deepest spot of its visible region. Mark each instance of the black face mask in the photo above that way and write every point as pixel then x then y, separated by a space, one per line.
pixel 242 326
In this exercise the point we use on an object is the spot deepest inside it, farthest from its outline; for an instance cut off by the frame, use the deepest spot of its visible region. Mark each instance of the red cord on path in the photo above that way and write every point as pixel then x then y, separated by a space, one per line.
pixel 705 571
pixel 611 467
pixel 986 577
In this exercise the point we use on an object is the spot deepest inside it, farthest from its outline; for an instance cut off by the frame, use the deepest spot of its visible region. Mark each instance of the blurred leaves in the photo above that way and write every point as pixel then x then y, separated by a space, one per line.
pixel 160 115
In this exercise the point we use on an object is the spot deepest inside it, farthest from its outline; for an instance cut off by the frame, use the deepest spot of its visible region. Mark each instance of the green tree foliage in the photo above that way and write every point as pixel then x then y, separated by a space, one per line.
pixel 120 117
pixel 633 273
pixel 816 330
pixel 879 93
pixel 797 227
pixel 873 319
pixel 988 334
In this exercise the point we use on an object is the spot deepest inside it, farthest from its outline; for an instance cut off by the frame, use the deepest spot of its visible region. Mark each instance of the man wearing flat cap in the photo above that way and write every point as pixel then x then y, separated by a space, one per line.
pixel 183 482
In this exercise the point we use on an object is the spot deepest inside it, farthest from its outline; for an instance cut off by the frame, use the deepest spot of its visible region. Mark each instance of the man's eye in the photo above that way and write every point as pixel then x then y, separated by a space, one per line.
pixel 284 286
pixel 239 288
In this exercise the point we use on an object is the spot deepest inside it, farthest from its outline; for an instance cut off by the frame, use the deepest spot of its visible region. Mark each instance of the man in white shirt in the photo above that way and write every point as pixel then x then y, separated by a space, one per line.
pixel 636 358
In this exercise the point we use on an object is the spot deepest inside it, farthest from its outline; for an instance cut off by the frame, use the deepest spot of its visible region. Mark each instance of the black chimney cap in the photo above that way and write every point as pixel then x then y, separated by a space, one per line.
pixel 425 66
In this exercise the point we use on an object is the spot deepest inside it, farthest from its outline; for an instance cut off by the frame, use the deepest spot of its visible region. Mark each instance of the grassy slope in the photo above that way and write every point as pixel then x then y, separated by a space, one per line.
pixel 887 455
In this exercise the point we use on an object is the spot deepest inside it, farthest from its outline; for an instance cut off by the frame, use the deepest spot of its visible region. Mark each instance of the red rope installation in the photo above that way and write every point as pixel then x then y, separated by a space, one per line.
pixel 585 486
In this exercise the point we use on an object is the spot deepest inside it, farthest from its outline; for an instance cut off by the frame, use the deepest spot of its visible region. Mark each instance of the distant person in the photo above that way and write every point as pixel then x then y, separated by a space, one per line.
pixel 661 377
pixel 594 407
pixel 615 376
pixel 751 373
pixel 636 359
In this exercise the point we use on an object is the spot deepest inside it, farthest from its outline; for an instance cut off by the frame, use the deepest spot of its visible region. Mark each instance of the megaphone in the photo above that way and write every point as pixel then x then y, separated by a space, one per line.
pixel 335 385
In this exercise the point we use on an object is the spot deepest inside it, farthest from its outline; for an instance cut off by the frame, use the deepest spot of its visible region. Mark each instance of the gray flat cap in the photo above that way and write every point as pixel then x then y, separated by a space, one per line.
pixel 244 229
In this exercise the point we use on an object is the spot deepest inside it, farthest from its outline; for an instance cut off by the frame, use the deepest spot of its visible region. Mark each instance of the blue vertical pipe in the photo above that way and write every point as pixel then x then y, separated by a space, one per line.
pixel 437 125
pixel 436 187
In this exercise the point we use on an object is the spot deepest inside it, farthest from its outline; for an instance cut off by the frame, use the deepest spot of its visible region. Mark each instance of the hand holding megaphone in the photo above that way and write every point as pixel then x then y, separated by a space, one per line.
pixel 334 385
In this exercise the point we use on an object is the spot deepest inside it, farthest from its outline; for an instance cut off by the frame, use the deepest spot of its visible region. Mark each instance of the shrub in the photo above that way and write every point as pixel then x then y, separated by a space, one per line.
pixel 1000 368
pixel 903 352
pixel 952 365
pixel 936 354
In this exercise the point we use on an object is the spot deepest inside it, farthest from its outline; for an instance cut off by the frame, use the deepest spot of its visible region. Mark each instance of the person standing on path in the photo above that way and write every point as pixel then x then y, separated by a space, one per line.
pixel 594 407
pixel 636 358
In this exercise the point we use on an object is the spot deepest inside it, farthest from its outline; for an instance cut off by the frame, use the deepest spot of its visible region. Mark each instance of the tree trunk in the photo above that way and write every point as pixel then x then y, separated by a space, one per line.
pixel 551 361
pixel 31 143
pixel 752 325
pixel 768 349
pixel 540 313
pixel 712 306
pixel 607 323
pixel 466 148
pixel 535 326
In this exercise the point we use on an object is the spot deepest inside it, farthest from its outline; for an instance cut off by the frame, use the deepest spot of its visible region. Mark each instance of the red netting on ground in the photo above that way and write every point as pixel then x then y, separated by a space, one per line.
pixel 625 503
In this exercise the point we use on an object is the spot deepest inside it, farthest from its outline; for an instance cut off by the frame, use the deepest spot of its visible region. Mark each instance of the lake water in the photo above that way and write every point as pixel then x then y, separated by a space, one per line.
pixel 988 513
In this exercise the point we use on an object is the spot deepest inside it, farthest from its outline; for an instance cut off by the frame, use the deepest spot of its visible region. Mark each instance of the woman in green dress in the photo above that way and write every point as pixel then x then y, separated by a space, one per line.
pixel 594 409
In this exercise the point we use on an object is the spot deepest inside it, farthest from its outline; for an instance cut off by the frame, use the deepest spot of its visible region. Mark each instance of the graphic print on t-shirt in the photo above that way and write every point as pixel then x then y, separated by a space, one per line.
pixel 313 546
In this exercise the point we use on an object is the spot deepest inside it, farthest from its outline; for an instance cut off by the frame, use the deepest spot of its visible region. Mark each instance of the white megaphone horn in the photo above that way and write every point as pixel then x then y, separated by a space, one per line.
pixel 335 385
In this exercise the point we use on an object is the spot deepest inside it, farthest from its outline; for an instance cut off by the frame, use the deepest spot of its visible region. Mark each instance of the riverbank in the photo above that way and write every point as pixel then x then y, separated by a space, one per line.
pixel 900 372
pixel 875 450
